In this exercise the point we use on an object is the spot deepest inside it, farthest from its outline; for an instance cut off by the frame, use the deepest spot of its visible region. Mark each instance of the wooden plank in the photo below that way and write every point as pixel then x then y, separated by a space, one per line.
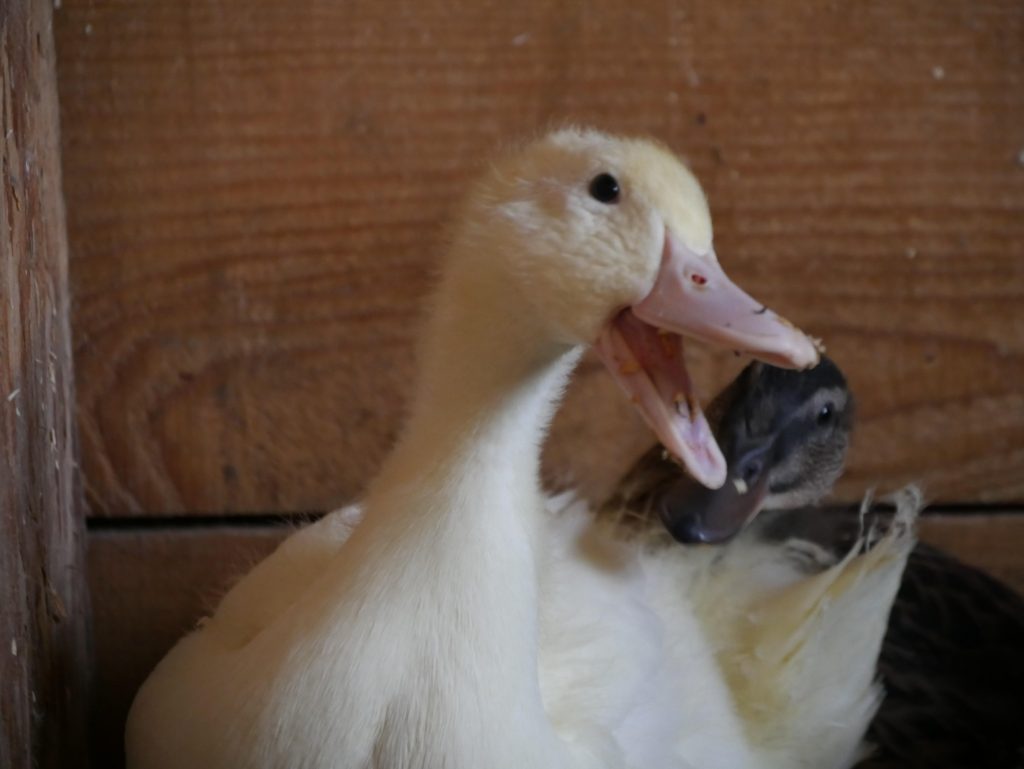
pixel 993 543
pixel 256 190
pixel 149 587
pixel 43 603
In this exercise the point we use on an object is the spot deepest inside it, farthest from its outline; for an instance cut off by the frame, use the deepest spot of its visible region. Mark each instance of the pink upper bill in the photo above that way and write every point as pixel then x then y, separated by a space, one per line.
pixel 643 349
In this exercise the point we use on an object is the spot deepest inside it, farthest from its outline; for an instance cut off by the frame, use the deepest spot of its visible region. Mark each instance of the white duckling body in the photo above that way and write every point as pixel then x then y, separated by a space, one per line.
pixel 624 661
pixel 458 625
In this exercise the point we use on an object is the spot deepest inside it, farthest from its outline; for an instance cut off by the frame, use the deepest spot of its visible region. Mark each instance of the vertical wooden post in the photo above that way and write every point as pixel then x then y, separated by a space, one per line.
pixel 43 620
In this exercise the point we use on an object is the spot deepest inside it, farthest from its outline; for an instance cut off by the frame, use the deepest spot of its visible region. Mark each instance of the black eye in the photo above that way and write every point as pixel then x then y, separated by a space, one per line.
pixel 605 188
pixel 826 414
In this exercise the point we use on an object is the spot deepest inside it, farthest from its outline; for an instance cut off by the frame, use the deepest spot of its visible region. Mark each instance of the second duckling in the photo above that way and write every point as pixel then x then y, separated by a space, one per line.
pixel 784 435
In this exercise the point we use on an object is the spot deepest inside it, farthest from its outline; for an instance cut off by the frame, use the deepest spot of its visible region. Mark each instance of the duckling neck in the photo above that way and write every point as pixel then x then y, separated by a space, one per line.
pixel 453 522
pixel 470 453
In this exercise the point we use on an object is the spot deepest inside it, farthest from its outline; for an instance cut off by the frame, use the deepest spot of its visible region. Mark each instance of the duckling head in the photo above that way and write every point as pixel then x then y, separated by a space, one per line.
pixel 608 241
pixel 785 436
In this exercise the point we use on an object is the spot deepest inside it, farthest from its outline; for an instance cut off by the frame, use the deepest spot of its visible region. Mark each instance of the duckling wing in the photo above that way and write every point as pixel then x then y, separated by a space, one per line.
pixel 798 641
pixel 953 671
pixel 275 583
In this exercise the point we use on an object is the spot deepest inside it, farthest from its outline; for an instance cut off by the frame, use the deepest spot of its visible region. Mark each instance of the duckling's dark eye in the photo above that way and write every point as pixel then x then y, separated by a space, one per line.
pixel 826 414
pixel 605 188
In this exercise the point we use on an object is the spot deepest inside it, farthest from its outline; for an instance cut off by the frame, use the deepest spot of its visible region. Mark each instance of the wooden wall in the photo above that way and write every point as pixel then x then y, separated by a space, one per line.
pixel 44 633
pixel 256 191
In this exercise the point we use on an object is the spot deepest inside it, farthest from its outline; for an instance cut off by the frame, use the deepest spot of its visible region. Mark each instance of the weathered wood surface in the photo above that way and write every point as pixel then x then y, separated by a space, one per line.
pixel 151 586
pixel 43 627
pixel 256 190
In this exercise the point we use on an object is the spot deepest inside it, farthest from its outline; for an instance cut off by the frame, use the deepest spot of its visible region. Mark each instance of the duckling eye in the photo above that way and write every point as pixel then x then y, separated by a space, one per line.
pixel 825 415
pixel 604 188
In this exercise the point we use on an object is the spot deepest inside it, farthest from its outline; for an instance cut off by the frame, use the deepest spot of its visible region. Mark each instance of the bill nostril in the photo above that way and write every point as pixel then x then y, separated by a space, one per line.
pixel 752 462
pixel 751 470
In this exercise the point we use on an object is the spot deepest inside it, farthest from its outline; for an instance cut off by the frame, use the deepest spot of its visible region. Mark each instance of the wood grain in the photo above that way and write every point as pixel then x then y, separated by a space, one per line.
pixel 44 633
pixel 149 587
pixel 256 191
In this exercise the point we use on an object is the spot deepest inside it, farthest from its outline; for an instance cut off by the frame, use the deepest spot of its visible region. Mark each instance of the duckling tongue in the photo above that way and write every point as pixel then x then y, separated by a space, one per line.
pixel 649 366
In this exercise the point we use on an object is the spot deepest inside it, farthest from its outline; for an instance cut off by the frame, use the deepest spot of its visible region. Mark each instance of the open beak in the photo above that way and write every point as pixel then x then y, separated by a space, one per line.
pixel 643 348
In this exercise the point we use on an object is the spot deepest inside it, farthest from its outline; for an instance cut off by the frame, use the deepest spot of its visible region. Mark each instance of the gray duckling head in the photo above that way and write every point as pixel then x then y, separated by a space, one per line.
pixel 784 435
